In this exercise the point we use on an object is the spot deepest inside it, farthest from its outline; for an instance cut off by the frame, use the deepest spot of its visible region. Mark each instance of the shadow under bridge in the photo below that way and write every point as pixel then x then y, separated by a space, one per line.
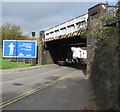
pixel 61 48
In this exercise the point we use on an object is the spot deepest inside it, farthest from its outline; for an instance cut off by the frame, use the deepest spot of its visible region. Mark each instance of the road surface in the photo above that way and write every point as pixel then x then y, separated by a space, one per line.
pixel 50 87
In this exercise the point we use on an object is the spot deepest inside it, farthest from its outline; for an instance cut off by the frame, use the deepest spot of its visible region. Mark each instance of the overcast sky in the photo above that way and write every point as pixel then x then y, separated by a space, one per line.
pixel 36 16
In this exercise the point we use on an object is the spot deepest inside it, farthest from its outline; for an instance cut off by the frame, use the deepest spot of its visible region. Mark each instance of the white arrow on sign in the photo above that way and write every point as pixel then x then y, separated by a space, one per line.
pixel 11 46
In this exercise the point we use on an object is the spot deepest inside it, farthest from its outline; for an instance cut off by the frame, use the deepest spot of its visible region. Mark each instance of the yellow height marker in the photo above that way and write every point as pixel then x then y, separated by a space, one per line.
pixel 8 102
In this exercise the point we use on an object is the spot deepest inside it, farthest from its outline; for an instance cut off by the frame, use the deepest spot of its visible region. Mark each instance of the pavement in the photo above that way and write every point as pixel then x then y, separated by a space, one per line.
pixel 48 87
pixel 24 68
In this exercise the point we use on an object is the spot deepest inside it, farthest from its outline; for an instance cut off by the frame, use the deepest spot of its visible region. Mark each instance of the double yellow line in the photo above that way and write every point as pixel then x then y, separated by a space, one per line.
pixel 8 102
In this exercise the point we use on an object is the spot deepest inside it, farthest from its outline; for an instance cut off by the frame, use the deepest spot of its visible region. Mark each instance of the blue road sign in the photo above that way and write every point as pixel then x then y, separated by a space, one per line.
pixel 20 49
pixel 26 49
pixel 9 48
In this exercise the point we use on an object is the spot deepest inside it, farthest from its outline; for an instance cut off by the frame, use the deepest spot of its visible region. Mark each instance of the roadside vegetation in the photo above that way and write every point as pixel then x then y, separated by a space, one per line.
pixel 7 64
pixel 12 32
pixel 105 69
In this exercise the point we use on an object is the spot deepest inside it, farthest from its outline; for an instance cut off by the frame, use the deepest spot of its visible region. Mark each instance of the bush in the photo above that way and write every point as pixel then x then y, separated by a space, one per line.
pixel 104 75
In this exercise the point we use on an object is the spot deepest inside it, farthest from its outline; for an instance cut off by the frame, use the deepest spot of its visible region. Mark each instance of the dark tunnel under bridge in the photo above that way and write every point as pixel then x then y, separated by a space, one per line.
pixel 61 48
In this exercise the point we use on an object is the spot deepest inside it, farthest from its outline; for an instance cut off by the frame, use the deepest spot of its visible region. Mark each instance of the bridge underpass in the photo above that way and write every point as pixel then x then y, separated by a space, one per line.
pixel 61 48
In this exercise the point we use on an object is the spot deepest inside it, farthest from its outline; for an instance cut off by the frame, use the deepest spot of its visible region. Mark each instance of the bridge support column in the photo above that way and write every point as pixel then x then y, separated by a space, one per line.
pixel 94 24
pixel 44 56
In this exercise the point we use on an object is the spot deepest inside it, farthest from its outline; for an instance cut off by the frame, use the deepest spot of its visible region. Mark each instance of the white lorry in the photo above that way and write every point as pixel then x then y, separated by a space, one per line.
pixel 79 54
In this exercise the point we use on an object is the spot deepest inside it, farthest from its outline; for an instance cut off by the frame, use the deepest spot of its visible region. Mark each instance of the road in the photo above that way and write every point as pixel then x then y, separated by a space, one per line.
pixel 45 88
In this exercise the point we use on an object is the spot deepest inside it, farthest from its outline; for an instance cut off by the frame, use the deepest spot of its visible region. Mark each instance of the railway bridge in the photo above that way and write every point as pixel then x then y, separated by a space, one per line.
pixel 57 41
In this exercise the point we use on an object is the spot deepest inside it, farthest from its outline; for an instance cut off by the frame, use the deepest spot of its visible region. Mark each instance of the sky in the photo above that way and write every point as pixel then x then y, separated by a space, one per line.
pixel 37 16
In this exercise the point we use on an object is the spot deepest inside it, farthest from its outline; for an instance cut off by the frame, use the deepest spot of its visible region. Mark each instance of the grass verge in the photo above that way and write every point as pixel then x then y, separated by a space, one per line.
pixel 7 64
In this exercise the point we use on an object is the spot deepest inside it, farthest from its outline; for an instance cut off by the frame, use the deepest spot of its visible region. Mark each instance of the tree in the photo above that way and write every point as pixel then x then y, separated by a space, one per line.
pixel 11 32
